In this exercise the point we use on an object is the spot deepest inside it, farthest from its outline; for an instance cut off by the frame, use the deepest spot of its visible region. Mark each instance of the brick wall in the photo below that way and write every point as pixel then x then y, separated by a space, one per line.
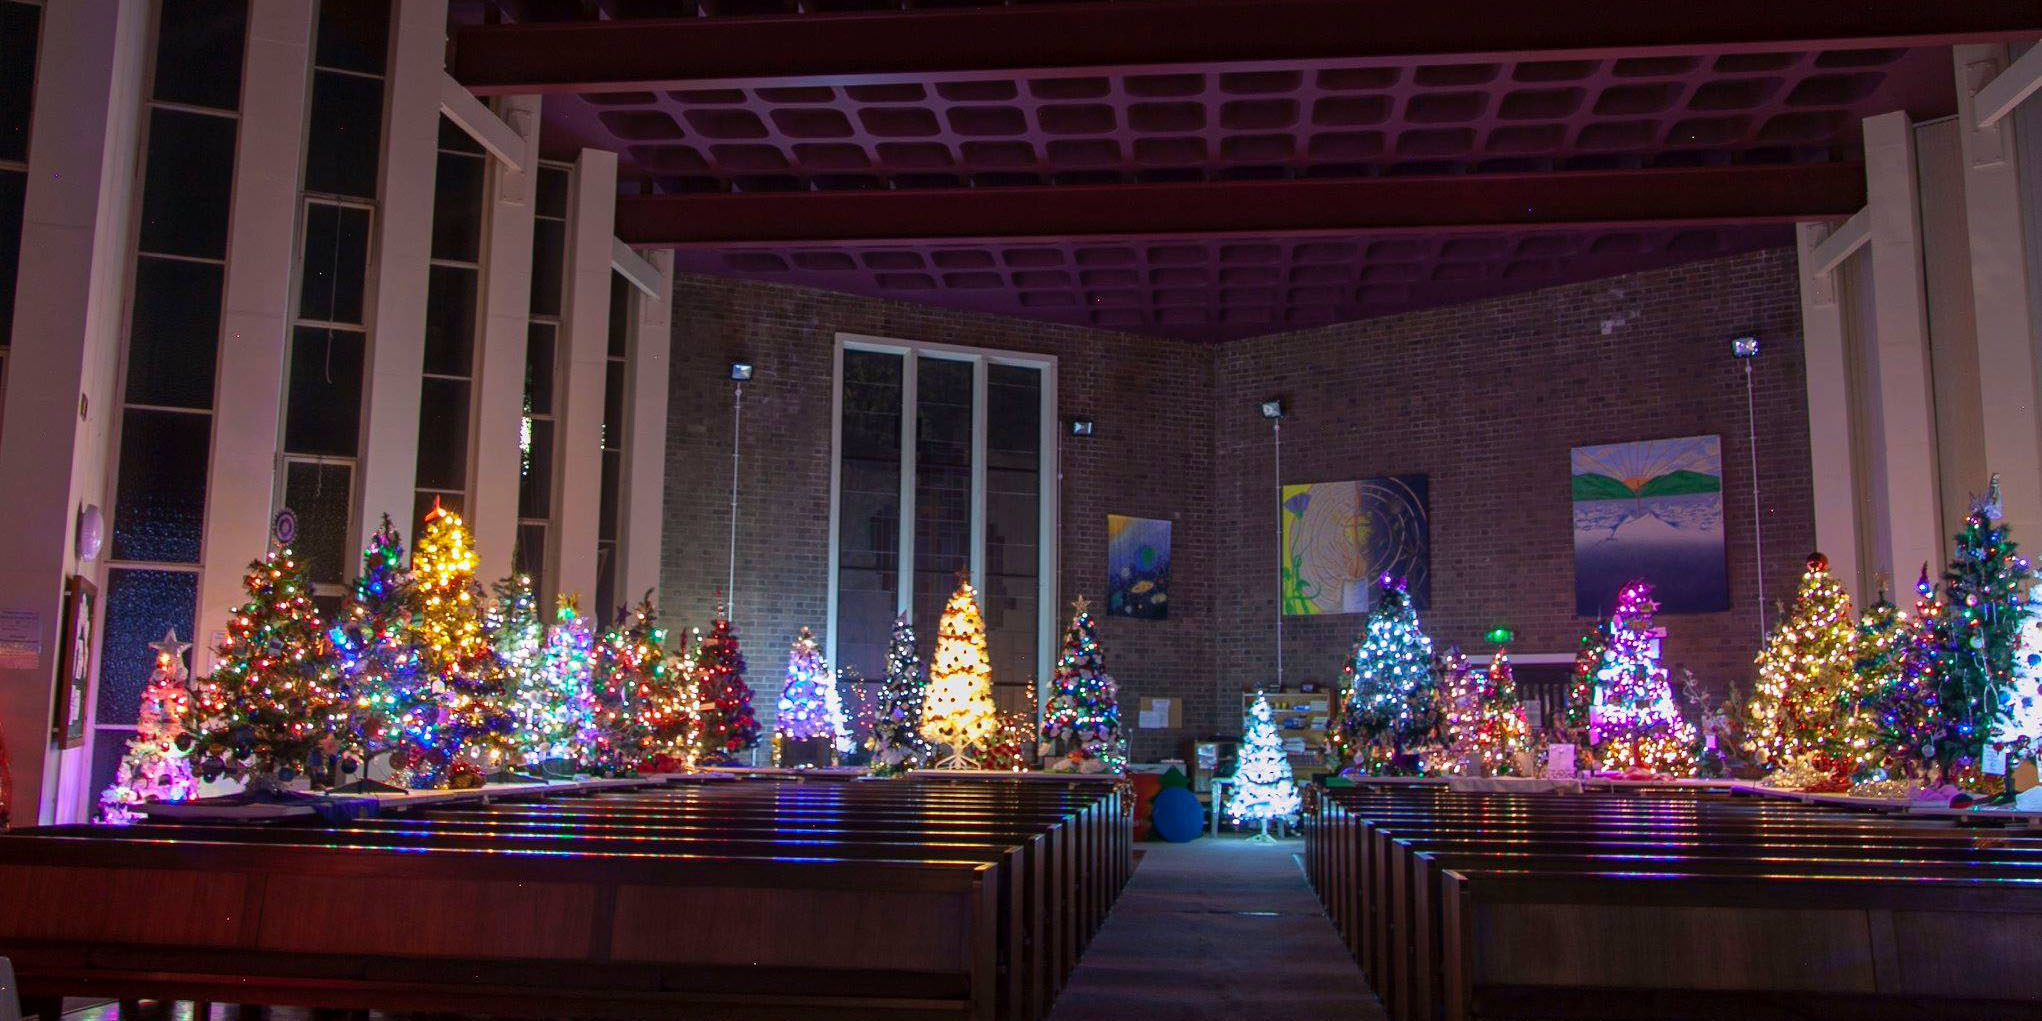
pixel 1487 399
pixel 1150 400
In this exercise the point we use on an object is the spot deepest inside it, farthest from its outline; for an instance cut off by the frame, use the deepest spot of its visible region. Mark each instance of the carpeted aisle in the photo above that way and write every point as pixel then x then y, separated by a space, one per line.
pixel 1221 929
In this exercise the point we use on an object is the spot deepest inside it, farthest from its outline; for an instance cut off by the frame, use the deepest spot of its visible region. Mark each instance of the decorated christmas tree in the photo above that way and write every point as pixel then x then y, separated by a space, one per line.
pixel 804 731
pixel 467 731
pixel 728 725
pixel 157 766
pixel 1503 731
pixel 2019 732
pixel 897 744
pixel 558 710
pixel 1581 684
pixel 1389 703
pixel 1083 717
pixel 629 679
pixel 958 711
pixel 1987 585
pixel 676 712
pixel 1007 751
pixel 1640 728
pixel 1800 701
pixel 1263 787
pixel 520 639
pixel 1460 716
pixel 274 696
pixel 389 701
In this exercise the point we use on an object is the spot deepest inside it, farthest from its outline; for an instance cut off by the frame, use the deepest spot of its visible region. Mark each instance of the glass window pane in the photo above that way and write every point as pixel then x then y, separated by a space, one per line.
pixel 608 600
pixel 175 335
pixel 549 247
pixel 539 369
pixel 335 263
pixel 1013 520
pixel 943 410
pixel 613 406
pixel 198 53
pixel 535 477
pixel 450 321
pixel 322 496
pixel 457 208
pixel 552 193
pixel 325 412
pixel 13 185
pixel 443 434
pixel 620 314
pixel 613 474
pixel 139 607
pixel 354 35
pixel 453 139
pixel 19 27
pixel 159 512
pixel 189 182
pixel 347 132
pixel 868 511
pixel 530 558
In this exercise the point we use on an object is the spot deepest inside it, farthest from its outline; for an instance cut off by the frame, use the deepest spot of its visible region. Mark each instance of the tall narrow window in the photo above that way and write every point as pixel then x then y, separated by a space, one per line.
pixel 535 468
pixel 1013 526
pixel 868 510
pixel 20 30
pixel 453 289
pixel 609 513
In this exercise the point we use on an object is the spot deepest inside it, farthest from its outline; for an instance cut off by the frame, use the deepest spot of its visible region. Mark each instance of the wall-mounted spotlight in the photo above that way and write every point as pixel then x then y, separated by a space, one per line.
pixel 1081 427
pixel 1745 347
pixel 1272 409
pixel 741 371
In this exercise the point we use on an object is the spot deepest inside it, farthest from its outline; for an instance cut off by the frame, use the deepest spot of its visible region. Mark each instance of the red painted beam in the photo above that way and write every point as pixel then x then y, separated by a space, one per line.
pixel 1719 195
pixel 608 56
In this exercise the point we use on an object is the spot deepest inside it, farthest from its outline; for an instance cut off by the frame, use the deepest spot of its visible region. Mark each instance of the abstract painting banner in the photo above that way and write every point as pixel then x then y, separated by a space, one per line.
pixel 1137 567
pixel 1651 510
pixel 1339 538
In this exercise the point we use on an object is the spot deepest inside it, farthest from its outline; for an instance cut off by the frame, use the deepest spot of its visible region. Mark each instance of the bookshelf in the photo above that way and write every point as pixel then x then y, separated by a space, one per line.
pixel 1312 714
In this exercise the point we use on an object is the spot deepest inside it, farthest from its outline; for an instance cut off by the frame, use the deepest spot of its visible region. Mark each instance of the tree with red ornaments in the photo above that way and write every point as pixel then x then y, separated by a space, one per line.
pixel 157 766
pixel 630 677
pixel 273 697
pixel 728 723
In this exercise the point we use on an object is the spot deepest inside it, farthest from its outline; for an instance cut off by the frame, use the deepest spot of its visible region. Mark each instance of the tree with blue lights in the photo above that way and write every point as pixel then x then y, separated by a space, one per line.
pixel 897 744
pixel 389 701
pixel 804 731
pixel 1389 698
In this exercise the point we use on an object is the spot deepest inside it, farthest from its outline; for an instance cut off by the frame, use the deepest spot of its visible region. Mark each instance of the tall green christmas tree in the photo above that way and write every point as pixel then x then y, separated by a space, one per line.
pixel 388 700
pixel 728 723
pixel 1987 585
pixel 1083 717
pixel 897 743
pixel 1389 703
pixel 1805 680
pixel 1581 683
pixel 274 696
pixel 1503 731
pixel 630 674
pixel 1264 788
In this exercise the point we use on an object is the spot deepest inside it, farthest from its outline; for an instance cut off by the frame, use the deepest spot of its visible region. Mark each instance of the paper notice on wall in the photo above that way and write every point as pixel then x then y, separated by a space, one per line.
pixel 1155 713
pixel 21 639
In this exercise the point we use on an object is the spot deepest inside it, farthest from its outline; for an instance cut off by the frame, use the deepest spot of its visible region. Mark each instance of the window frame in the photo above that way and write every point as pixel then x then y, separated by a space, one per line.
pixel 1049 496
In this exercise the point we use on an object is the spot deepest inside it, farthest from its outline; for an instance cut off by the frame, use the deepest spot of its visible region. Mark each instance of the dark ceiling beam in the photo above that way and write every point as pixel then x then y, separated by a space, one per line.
pixel 1702 196
pixel 608 56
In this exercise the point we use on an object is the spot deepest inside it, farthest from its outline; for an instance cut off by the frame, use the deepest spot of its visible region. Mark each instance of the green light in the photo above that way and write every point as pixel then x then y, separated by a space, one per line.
pixel 1501 635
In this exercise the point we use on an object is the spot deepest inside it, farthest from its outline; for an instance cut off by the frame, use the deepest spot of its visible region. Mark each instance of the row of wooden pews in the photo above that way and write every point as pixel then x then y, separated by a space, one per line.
pixel 777 897
pixel 1674 902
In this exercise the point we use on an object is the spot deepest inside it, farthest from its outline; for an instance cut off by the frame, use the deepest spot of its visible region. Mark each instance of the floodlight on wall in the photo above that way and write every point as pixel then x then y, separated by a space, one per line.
pixel 741 371
pixel 1744 347
pixel 1272 409
pixel 1081 427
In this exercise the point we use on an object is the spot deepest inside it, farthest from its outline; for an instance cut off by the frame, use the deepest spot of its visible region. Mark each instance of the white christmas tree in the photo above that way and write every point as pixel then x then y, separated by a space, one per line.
pixel 959 709
pixel 804 707
pixel 157 766
pixel 2019 731
pixel 1263 787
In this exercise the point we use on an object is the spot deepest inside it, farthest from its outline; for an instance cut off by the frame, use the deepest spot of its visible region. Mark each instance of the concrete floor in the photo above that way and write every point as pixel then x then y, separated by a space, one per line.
pixel 1218 928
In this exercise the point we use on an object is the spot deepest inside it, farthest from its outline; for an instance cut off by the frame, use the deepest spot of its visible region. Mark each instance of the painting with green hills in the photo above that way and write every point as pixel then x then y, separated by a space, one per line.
pixel 1651 510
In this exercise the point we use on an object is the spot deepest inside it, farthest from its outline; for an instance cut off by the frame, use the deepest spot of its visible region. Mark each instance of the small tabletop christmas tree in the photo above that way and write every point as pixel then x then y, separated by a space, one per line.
pixel 520 639
pixel 1503 731
pixel 630 673
pixel 1460 716
pixel 897 744
pixel 467 727
pixel 1389 703
pixel 273 697
pixel 1083 719
pixel 1798 704
pixel 560 706
pixel 1581 684
pixel 1641 728
pixel 157 766
pixel 1263 786
pixel 958 711
pixel 1988 584
pixel 728 725
pixel 804 730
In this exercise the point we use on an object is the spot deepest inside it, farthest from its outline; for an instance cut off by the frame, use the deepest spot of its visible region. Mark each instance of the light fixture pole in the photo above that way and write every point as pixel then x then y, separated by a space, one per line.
pixel 1745 349
pixel 1272 410
pixel 739 373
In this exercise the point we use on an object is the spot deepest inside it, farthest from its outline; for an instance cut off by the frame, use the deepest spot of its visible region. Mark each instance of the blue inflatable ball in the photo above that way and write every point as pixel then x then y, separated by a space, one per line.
pixel 1177 815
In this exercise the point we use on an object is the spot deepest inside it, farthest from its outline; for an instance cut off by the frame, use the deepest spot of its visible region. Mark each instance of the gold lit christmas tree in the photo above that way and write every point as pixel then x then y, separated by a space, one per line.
pixel 1797 708
pixel 457 656
pixel 959 710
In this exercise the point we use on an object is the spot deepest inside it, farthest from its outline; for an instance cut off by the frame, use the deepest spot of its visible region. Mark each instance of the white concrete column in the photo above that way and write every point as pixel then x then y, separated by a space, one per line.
pixel 256 313
pixel 2002 306
pixel 578 385
pixel 506 301
pixel 641 499
pixel 1905 440
pixel 1832 456
pixel 393 375
pixel 62 403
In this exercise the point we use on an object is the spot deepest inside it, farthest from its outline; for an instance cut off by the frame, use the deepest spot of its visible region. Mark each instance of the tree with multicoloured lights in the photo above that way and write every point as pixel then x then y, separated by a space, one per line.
pixel 897 743
pixel 1639 726
pixel 1581 683
pixel 1083 716
pixel 1389 700
pixel 1987 588
pixel 804 731
pixel 388 700
pixel 275 694
pixel 559 709
pixel 630 673
pixel 958 712
pixel 157 765
pixel 1800 700
pixel 520 640
pixel 728 723
pixel 1263 787
pixel 675 715
pixel 1502 731
pixel 1460 716
pixel 469 729
pixel 1892 725
pixel 1007 750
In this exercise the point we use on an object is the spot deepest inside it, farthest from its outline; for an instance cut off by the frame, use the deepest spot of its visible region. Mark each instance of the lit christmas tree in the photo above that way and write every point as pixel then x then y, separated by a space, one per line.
pixel 1640 728
pixel 2018 734
pixel 676 712
pixel 388 701
pixel 520 639
pixel 630 675
pixel 1887 724
pixel 1263 787
pixel 804 727
pixel 1503 731
pixel 1007 751
pixel 559 710
pixel 1799 703
pixel 1460 716
pixel 1987 585
pixel 274 696
pixel 728 725
pixel 157 766
pixel 958 711
pixel 1389 704
pixel 467 726
pixel 1581 684
pixel 897 744
pixel 1083 717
